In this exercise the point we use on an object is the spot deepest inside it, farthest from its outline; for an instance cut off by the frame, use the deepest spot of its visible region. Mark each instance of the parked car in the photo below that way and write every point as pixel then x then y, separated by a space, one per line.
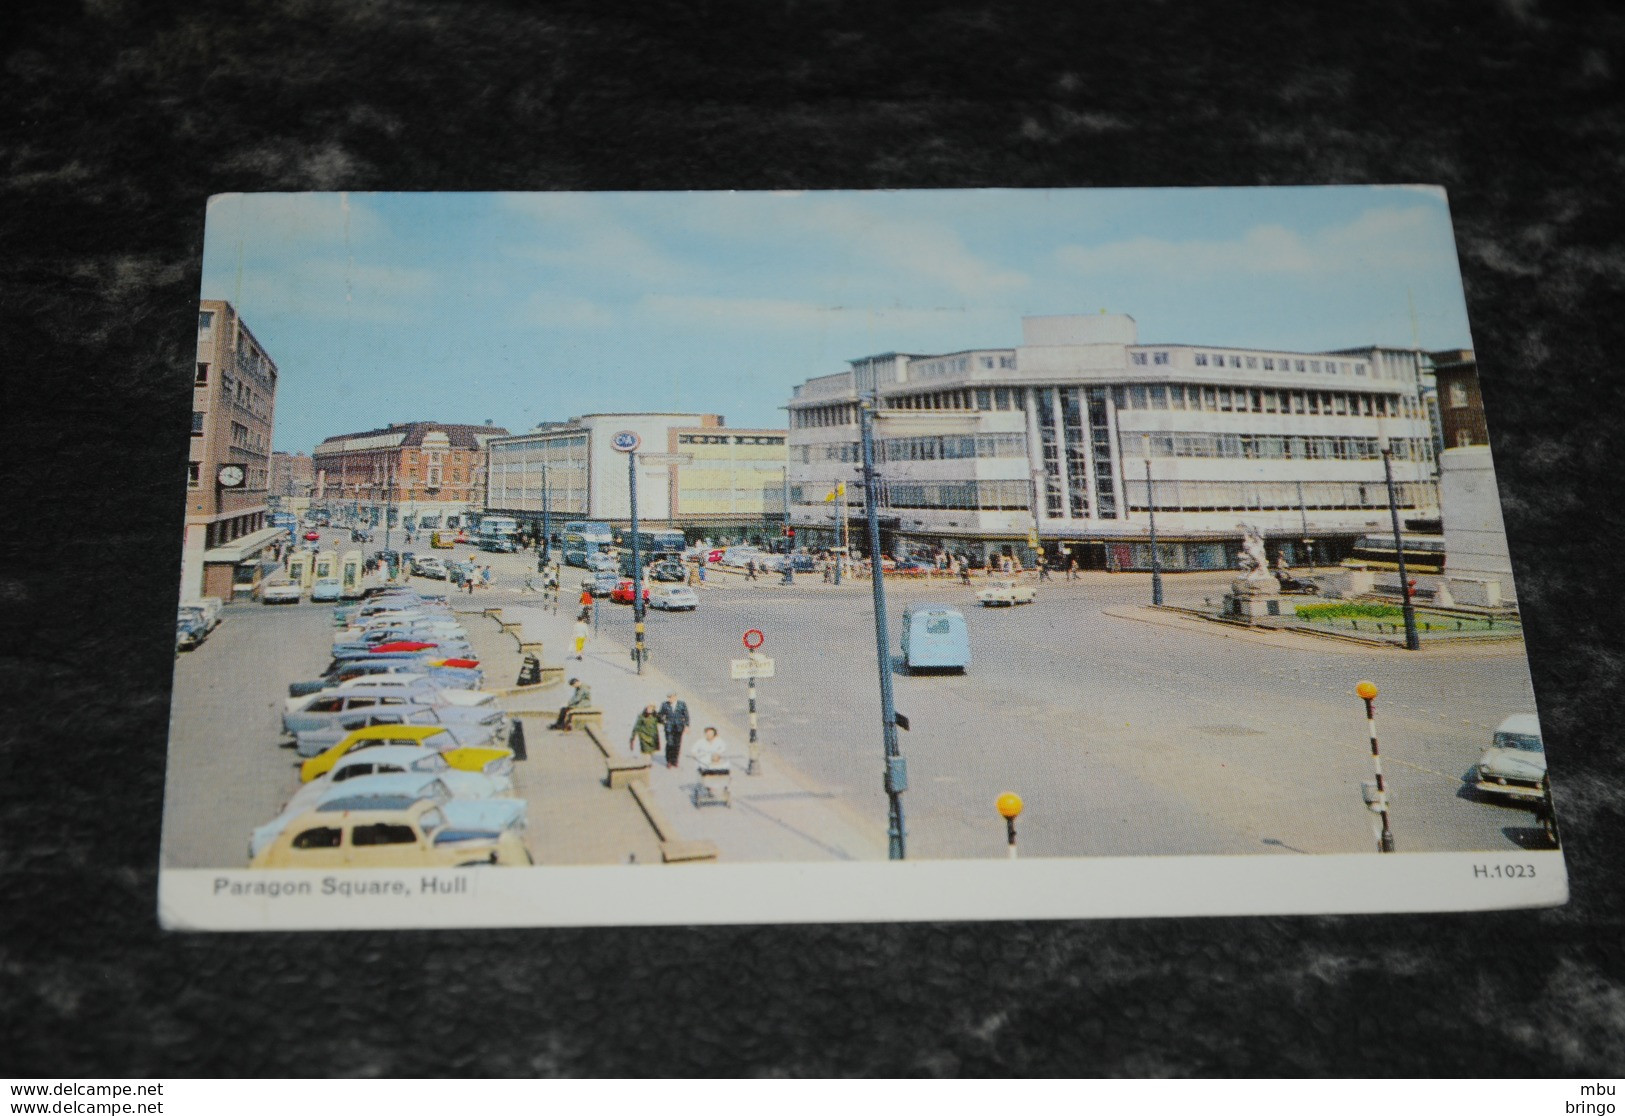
pixel 484 758
pixel 429 566
pixel 464 812
pixel 209 609
pixel 326 589
pixel 668 571
pixel 1007 592
pixel 313 536
pixel 281 592
pixel 393 758
pixel 451 678
pixel 469 727
pixel 600 584
pixel 388 833
pixel 623 592
pixel 1515 765
pixel 329 707
pixel 674 598
pixel 189 630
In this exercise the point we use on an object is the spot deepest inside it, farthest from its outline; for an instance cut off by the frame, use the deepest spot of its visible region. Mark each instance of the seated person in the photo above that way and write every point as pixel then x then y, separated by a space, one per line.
pixel 580 698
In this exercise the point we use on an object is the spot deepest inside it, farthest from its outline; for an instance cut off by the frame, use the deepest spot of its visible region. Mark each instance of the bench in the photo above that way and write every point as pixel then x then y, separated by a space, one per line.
pixel 620 769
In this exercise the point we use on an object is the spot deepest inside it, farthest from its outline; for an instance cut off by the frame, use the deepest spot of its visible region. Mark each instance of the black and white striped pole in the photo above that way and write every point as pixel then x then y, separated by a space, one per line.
pixel 753 766
pixel 1376 795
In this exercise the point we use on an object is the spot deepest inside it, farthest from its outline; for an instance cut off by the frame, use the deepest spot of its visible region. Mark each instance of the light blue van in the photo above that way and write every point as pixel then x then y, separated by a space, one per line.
pixel 935 638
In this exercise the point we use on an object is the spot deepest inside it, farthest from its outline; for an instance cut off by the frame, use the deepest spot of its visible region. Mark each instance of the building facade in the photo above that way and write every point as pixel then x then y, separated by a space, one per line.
pixel 1478 563
pixel 413 475
pixel 1070 439
pixel 697 474
pixel 293 480
pixel 229 468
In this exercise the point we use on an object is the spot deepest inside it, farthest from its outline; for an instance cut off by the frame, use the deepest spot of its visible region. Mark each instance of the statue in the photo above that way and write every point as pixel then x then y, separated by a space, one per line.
pixel 1253 561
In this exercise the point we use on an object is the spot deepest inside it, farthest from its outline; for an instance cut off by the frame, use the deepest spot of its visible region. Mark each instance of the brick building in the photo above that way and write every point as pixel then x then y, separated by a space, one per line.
pixel 229 468
pixel 293 479
pixel 1461 404
pixel 407 474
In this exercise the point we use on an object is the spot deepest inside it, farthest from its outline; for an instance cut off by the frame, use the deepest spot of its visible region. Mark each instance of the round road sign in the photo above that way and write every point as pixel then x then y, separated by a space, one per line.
pixel 753 639
pixel 626 440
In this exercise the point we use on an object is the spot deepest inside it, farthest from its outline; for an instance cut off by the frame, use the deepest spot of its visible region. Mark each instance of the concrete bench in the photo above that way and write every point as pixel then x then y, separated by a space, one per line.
pixel 673 848
pixel 620 769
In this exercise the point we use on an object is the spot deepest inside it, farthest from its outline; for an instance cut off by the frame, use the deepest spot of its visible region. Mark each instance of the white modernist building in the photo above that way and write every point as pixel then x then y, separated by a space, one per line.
pixel 985 451
pixel 695 472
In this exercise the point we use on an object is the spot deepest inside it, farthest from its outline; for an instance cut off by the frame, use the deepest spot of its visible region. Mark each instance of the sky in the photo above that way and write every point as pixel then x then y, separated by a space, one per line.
pixel 528 308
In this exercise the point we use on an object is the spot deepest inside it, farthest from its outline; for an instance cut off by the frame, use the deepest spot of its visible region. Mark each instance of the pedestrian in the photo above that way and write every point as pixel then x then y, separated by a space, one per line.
pixel 711 753
pixel 580 698
pixel 581 633
pixel 750 569
pixel 645 736
pixel 586 600
pixel 674 715
pixel 1072 569
pixel 468 581
pixel 1043 569
pixel 485 577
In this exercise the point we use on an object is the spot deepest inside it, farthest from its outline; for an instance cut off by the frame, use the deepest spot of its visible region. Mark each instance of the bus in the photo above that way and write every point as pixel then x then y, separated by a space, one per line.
pixel 1424 554
pixel 653 546
pixel 584 542
pixel 499 533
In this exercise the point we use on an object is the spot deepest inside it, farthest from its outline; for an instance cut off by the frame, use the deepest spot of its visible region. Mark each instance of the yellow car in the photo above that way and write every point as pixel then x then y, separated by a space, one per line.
pixel 418 736
pixel 389 833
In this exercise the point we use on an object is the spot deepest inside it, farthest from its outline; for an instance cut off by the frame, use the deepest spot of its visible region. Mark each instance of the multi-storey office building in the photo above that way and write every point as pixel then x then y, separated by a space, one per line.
pixel 697 474
pixel 293 479
pixel 408 474
pixel 229 469
pixel 1074 435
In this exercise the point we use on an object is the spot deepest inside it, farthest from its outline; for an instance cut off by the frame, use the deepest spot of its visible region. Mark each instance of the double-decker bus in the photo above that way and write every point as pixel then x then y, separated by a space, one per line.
pixel 584 541
pixel 653 546
pixel 498 533
pixel 1423 553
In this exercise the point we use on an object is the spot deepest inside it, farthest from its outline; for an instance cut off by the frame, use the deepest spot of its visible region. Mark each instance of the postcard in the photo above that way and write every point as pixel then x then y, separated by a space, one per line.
pixel 574 559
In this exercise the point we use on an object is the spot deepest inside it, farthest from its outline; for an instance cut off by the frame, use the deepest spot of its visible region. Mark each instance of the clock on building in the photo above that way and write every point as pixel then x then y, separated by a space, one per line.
pixel 231 476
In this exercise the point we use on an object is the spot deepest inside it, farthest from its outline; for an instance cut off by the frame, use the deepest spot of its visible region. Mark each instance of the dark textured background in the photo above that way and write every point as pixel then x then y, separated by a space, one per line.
pixel 120 118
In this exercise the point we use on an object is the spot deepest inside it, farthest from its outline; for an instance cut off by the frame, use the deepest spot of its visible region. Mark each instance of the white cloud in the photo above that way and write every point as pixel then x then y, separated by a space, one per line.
pixel 784 315
pixel 541 310
pixel 1388 239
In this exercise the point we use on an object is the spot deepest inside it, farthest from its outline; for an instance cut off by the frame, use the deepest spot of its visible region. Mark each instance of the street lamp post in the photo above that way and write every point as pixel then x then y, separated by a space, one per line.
pixel 1151 509
pixel 547 523
pixel 637 561
pixel 1303 519
pixel 1413 642
pixel 896 772
pixel 1377 799
pixel 789 535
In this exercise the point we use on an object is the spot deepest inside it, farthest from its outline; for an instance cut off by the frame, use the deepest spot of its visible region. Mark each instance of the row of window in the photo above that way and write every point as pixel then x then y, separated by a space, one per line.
pixel 978 399
pixel 987 495
pixel 1242 496
pixel 1266 364
pixel 947 366
pixel 729 440
pixel 1278 446
pixel 836 414
pixel 947 447
pixel 256 478
pixel 1262 401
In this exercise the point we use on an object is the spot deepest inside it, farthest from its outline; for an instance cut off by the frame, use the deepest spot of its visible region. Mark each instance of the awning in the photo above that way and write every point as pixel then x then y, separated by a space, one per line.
pixel 242 549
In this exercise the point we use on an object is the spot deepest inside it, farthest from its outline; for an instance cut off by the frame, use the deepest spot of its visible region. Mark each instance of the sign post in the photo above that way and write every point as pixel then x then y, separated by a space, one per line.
pixel 755 665
pixel 627 442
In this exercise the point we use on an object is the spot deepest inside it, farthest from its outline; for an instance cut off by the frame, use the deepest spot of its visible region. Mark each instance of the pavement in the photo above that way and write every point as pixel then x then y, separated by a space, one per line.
pixel 776 814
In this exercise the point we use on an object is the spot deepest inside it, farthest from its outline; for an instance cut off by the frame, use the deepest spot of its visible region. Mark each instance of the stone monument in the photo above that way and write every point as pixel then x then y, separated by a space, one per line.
pixel 1256 593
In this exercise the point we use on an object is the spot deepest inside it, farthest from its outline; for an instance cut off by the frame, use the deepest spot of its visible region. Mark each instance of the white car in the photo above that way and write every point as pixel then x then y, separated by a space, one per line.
pixel 1007 592
pixel 673 598
pixel 281 592
pixel 1515 765
pixel 326 589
